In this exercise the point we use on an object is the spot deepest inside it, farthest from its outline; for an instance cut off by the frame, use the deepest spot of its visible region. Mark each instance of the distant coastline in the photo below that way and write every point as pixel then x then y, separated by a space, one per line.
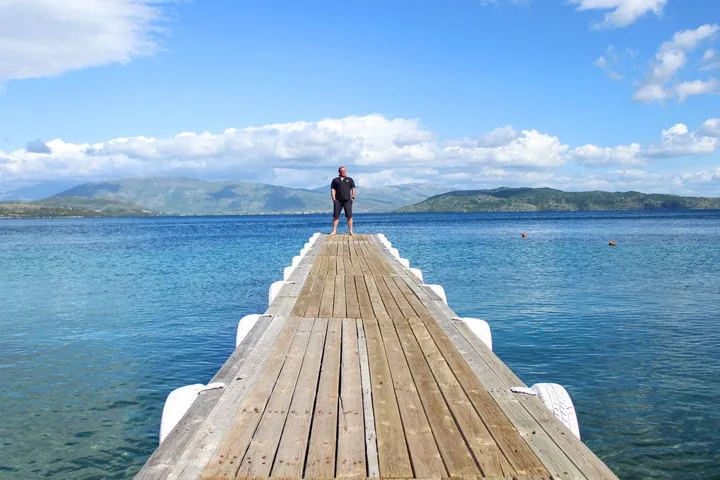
pixel 551 200
pixel 154 197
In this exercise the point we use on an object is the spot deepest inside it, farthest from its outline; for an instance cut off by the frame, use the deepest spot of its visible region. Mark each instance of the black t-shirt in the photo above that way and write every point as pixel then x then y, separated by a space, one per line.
pixel 343 188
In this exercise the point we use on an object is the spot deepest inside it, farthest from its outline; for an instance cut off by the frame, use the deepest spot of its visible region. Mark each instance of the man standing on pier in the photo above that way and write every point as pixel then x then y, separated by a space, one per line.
pixel 342 191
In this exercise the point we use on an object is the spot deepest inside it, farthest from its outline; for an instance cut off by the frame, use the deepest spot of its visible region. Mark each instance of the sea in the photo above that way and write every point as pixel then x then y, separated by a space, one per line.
pixel 101 318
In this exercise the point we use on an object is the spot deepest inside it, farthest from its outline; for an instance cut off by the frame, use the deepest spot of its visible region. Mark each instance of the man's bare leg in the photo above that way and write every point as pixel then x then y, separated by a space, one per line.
pixel 350 226
pixel 335 224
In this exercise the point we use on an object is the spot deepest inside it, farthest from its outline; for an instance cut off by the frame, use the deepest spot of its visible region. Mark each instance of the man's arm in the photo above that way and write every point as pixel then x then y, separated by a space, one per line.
pixel 332 193
pixel 352 193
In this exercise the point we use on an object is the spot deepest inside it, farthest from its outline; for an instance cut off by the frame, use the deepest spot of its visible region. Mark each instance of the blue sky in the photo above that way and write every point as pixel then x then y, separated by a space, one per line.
pixel 572 94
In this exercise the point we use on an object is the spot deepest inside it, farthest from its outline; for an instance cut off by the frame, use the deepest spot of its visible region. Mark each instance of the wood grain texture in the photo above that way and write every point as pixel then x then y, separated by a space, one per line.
pixel 359 370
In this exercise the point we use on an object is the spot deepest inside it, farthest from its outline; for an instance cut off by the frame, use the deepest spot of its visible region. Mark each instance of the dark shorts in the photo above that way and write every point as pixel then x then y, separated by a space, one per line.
pixel 339 205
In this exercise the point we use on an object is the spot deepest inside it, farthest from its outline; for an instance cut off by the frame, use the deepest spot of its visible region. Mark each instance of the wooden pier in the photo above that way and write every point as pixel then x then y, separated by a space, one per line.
pixel 359 370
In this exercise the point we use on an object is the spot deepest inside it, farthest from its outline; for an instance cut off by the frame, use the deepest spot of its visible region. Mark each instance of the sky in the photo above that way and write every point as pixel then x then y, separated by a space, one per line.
pixel 572 94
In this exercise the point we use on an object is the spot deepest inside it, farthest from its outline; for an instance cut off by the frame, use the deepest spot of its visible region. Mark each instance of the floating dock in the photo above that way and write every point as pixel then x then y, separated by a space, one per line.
pixel 359 369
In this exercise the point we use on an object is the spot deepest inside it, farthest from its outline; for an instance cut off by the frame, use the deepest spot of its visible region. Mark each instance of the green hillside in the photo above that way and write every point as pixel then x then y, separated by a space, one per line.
pixel 71 207
pixel 548 199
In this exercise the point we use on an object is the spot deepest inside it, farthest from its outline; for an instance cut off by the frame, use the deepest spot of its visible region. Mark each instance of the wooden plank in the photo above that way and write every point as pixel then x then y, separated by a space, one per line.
pixel 261 451
pixel 351 298
pixel 552 459
pixel 349 266
pixel 301 303
pixel 424 453
pixel 355 265
pixel 290 458
pixel 393 456
pixel 516 450
pixel 339 301
pixel 323 437
pixel 579 453
pixel 324 260
pixel 418 307
pixel 316 294
pixel 226 459
pixel 373 467
pixel 191 433
pixel 351 421
pixel 362 258
pixel 340 265
pixel 481 442
pixel 383 303
pixel 364 301
pixel 398 297
pixel 455 453
pixel 328 297
pixel 366 259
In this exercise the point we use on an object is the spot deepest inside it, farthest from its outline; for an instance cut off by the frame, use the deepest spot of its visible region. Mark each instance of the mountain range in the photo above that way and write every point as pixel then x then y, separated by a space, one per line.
pixel 187 196
pixel 548 199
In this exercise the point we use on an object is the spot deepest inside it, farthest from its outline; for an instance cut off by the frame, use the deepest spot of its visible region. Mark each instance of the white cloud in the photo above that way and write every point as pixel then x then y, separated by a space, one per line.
pixel 40 38
pixel 710 60
pixel 594 156
pixel 661 84
pixel 613 61
pixel 624 12
pixel 369 143
pixel 377 151
pixel 528 148
pixel 711 127
pixel 696 87
pixel 675 142
pixel 703 180
pixel 678 141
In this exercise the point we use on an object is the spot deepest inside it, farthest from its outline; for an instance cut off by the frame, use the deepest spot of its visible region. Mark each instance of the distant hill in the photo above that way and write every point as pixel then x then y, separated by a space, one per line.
pixel 187 196
pixel 36 192
pixel 386 199
pixel 71 207
pixel 547 199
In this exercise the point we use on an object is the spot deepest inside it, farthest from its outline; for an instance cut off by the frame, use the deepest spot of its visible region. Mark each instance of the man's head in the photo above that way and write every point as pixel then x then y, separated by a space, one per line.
pixel 342 171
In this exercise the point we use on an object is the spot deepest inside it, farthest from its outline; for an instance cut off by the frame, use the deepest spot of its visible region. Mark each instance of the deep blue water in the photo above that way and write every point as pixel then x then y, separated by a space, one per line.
pixel 101 318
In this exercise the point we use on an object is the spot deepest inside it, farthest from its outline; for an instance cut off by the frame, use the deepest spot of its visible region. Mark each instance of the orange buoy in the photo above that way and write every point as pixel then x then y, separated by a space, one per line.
pixel 524 235
pixel 612 243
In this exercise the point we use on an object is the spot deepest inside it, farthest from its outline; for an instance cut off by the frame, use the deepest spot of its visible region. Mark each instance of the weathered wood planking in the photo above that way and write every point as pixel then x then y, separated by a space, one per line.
pixel 368 374
pixel 559 450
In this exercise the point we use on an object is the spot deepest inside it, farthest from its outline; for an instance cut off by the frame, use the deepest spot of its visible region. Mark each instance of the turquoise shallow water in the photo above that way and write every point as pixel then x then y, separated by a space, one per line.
pixel 100 319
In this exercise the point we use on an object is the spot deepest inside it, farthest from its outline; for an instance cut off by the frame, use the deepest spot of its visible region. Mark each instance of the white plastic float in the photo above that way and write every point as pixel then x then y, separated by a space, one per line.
pixel 381 237
pixel 287 271
pixel 557 400
pixel 437 289
pixel 275 289
pixel 394 252
pixel 245 325
pixel 404 262
pixel 417 272
pixel 178 402
pixel 480 328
